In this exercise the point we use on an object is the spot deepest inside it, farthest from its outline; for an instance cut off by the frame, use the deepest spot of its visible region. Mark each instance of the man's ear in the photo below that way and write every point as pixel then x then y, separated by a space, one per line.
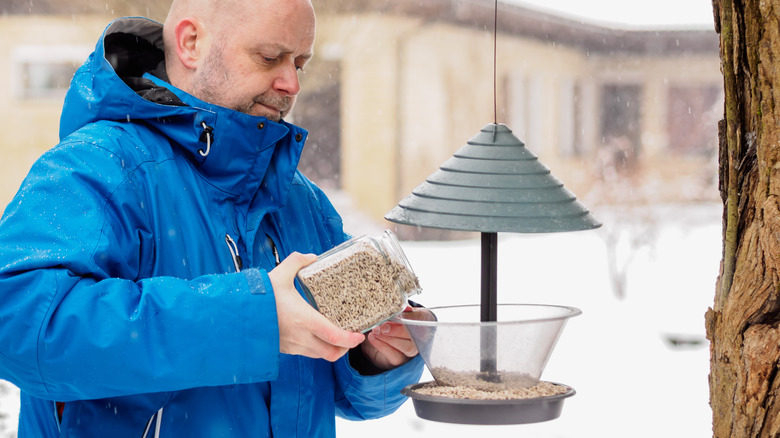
pixel 188 39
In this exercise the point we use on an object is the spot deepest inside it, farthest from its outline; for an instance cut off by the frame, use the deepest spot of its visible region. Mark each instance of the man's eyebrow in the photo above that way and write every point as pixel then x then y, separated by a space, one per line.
pixel 282 50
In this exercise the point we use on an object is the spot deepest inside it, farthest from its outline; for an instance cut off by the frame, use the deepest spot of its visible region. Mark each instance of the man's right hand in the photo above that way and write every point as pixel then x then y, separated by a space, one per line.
pixel 303 330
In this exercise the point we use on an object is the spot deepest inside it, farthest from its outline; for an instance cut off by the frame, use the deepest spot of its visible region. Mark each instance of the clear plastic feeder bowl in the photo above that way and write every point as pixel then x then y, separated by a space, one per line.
pixel 512 352
pixel 508 354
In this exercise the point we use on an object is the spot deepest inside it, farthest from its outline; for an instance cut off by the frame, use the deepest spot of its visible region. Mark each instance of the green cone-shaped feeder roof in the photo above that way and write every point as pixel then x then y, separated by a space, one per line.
pixel 493 184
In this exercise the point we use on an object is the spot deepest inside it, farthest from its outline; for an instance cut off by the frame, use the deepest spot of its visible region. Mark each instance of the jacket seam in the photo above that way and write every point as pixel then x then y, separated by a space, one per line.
pixel 119 185
pixel 39 337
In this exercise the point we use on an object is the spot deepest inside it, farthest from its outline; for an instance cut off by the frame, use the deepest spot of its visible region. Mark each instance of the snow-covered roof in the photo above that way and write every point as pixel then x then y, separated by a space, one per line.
pixel 521 18
pixel 628 15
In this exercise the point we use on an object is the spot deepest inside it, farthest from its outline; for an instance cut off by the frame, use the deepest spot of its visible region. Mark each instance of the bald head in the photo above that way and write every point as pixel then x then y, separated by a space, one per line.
pixel 212 12
pixel 214 46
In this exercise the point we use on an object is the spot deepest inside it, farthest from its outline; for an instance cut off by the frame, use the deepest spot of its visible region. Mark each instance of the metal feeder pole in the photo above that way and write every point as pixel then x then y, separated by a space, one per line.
pixel 489 302
pixel 489 307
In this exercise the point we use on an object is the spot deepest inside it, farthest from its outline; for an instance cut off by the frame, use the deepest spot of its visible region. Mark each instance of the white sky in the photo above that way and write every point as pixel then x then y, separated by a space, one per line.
pixel 633 13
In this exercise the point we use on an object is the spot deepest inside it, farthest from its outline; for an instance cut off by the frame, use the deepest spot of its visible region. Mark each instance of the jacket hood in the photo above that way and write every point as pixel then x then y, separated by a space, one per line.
pixel 124 80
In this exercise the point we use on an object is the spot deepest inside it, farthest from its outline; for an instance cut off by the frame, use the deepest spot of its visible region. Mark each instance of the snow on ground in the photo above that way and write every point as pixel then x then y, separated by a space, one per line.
pixel 619 355
pixel 9 409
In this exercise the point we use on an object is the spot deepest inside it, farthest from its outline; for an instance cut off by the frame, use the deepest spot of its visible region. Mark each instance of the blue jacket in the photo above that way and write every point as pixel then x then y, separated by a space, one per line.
pixel 119 295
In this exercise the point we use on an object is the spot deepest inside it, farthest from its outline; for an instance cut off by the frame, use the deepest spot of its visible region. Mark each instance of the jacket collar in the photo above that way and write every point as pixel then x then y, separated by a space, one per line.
pixel 239 153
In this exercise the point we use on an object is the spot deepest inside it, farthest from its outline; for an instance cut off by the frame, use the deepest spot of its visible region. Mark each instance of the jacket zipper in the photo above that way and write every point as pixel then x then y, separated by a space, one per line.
pixel 233 248
pixel 58 410
pixel 157 424
pixel 277 260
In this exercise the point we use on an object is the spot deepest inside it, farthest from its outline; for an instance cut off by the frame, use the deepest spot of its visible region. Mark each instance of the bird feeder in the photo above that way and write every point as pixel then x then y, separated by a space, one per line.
pixel 492 184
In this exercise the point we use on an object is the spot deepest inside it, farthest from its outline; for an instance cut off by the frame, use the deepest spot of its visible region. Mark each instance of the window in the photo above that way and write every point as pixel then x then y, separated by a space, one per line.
pixel 621 126
pixel 527 106
pixel 44 72
pixel 692 118
pixel 570 124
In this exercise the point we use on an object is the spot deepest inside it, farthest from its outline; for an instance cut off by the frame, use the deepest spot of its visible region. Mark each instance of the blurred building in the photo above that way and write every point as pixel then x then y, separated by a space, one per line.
pixel 397 86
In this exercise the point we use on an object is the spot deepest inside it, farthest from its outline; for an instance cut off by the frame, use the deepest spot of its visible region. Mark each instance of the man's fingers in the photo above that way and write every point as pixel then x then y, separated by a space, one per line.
pixel 283 276
pixel 418 313
pixel 384 355
pixel 392 329
pixel 326 341
pixel 293 263
pixel 318 349
pixel 333 335
pixel 401 343
pixel 307 332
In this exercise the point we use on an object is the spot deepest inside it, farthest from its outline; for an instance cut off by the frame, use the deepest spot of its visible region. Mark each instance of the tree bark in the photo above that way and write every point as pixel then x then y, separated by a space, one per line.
pixel 743 326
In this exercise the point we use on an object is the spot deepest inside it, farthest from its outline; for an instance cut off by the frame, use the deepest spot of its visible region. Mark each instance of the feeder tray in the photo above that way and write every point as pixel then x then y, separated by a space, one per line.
pixel 487 412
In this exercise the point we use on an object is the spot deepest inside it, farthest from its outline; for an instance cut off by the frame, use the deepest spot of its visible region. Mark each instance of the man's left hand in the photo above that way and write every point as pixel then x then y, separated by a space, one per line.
pixel 389 345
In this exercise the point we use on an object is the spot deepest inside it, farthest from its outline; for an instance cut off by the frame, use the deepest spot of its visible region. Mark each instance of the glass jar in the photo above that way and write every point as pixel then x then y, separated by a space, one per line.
pixel 361 283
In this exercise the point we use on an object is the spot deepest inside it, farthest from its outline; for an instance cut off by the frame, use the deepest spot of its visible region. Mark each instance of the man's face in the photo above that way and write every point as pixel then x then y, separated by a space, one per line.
pixel 252 63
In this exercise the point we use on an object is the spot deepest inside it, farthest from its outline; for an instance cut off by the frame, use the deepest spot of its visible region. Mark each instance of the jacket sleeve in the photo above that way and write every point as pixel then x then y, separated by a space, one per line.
pixel 71 328
pixel 360 397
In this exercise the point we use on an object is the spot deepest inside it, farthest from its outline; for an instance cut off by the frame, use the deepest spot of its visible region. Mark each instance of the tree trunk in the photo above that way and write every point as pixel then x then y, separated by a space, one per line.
pixel 743 325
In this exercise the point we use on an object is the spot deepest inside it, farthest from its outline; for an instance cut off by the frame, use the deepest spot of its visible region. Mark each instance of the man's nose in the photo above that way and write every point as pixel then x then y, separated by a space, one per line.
pixel 287 82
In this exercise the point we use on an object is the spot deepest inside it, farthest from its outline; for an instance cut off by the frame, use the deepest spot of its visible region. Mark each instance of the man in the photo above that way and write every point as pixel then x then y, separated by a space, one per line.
pixel 141 288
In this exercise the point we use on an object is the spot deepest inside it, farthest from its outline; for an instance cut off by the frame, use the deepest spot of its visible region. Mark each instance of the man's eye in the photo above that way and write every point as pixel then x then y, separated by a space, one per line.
pixel 268 59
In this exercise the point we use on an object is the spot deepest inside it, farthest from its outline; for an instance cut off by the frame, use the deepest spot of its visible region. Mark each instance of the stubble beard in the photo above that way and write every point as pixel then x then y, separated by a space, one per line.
pixel 212 81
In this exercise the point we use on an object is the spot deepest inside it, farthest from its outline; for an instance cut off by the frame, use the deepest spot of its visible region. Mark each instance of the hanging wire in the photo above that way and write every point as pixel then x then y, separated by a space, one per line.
pixel 495 43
